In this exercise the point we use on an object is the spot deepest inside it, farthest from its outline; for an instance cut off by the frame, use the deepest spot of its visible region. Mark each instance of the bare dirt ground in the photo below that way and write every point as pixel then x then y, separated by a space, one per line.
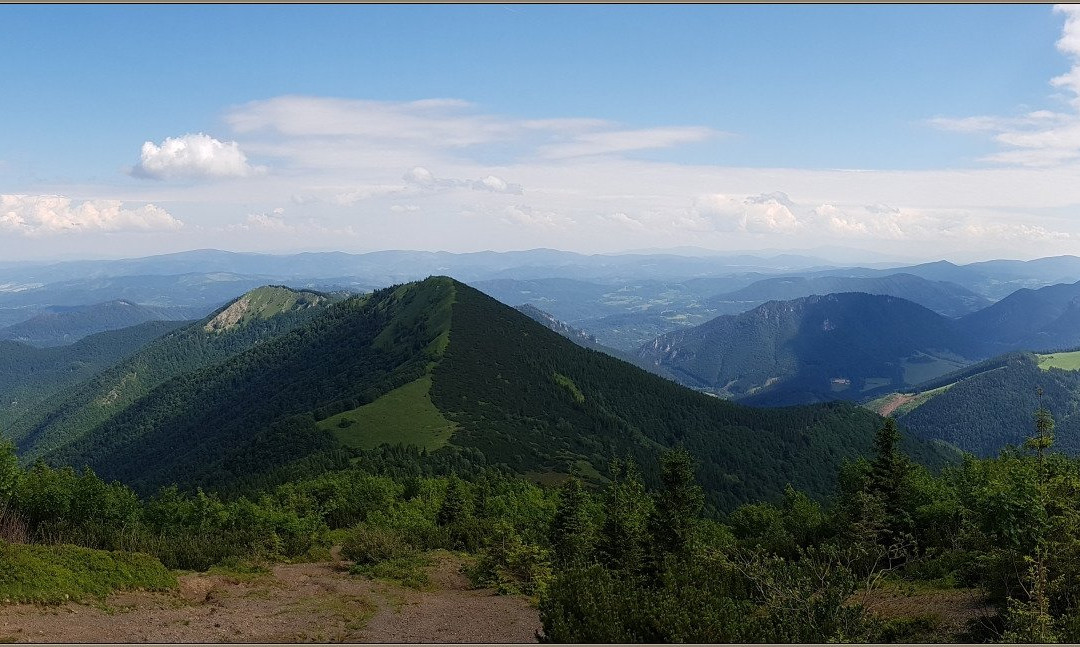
pixel 894 403
pixel 295 603
pixel 953 609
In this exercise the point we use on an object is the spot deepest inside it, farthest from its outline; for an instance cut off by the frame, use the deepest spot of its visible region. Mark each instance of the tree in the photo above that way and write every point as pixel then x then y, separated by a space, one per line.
pixel 624 533
pixel 571 528
pixel 677 505
pixel 889 472
pixel 9 472
pixel 454 509
pixel 1030 621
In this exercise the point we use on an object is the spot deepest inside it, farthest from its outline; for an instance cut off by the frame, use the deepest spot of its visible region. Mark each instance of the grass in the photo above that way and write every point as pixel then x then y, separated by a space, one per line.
pixel 1064 361
pixel 353 610
pixel 404 416
pixel 239 570
pixel 408 571
pixel 872 383
pixel 57 574
pixel 569 385
pixel 917 372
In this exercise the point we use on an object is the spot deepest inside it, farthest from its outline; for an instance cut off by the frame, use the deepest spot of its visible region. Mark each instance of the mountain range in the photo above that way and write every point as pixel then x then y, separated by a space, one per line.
pixel 855 345
pixel 279 381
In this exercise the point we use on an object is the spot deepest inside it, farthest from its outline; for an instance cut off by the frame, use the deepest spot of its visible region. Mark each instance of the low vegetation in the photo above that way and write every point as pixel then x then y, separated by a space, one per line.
pixel 622 561
pixel 56 574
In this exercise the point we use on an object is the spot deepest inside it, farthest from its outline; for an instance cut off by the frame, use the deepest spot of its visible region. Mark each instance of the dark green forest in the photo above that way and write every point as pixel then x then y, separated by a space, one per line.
pixel 985 407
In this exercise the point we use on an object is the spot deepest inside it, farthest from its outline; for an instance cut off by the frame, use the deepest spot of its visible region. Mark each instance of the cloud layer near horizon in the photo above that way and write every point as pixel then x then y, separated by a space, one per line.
pixel 42 215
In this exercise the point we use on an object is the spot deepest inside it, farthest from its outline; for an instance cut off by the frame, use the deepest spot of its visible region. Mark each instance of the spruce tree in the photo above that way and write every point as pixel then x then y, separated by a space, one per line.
pixel 677 505
pixel 455 504
pixel 571 528
pixel 887 482
pixel 623 536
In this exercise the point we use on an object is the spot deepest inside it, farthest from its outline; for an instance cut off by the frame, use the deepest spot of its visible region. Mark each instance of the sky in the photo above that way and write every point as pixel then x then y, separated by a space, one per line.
pixel 916 131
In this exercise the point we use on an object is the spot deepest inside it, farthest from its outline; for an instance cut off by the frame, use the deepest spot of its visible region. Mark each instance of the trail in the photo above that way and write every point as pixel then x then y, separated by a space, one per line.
pixel 294 603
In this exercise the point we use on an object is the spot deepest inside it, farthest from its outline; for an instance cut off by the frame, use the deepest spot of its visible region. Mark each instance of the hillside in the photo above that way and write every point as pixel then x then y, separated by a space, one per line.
pixel 847 346
pixel 98 395
pixel 1044 319
pixel 508 389
pixel 942 297
pixel 60 325
pixel 29 376
pixel 990 405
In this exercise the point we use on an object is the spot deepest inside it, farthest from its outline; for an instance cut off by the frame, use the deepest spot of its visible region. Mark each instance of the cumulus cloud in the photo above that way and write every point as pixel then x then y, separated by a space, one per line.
pixel 419 176
pixel 1040 138
pixel 624 220
pixel 41 215
pixel 404 208
pixel 495 184
pixel 192 157
pixel 766 213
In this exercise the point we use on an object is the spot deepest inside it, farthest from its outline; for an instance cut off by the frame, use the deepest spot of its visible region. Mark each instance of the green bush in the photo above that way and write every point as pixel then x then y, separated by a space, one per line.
pixel 56 574
pixel 512 566
pixel 373 544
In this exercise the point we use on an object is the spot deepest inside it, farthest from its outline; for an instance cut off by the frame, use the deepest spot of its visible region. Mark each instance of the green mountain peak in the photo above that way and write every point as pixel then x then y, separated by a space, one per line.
pixel 262 303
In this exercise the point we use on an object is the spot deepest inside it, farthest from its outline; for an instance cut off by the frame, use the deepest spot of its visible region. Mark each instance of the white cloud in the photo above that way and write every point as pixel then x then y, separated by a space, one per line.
pixel 765 213
pixel 1042 138
pixel 423 178
pixel 193 156
pixel 404 208
pixel 521 214
pixel 300 125
pixel 420 176
pixel 624 220
pixel 360 194
pixel 496 184
pixel 41 215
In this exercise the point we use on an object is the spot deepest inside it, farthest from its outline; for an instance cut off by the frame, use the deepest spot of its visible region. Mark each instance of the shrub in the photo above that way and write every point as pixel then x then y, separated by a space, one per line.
pixel 367 544
pixel 56 574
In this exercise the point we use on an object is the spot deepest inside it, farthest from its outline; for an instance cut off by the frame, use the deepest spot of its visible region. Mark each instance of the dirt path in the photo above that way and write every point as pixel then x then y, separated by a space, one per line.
pixel 294 603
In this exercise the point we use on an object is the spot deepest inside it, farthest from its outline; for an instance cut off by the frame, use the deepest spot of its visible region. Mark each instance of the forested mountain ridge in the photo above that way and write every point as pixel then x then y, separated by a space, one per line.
pixel 985 407
pixel 29 375
pixel 846 346
pixel 1047 318
pixel 943 297
pixel 64 325
pixel 514 392
pixel 69 414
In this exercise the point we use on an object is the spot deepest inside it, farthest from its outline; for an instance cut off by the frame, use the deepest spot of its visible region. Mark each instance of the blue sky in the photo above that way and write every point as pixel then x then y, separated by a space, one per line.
pixel 591 128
